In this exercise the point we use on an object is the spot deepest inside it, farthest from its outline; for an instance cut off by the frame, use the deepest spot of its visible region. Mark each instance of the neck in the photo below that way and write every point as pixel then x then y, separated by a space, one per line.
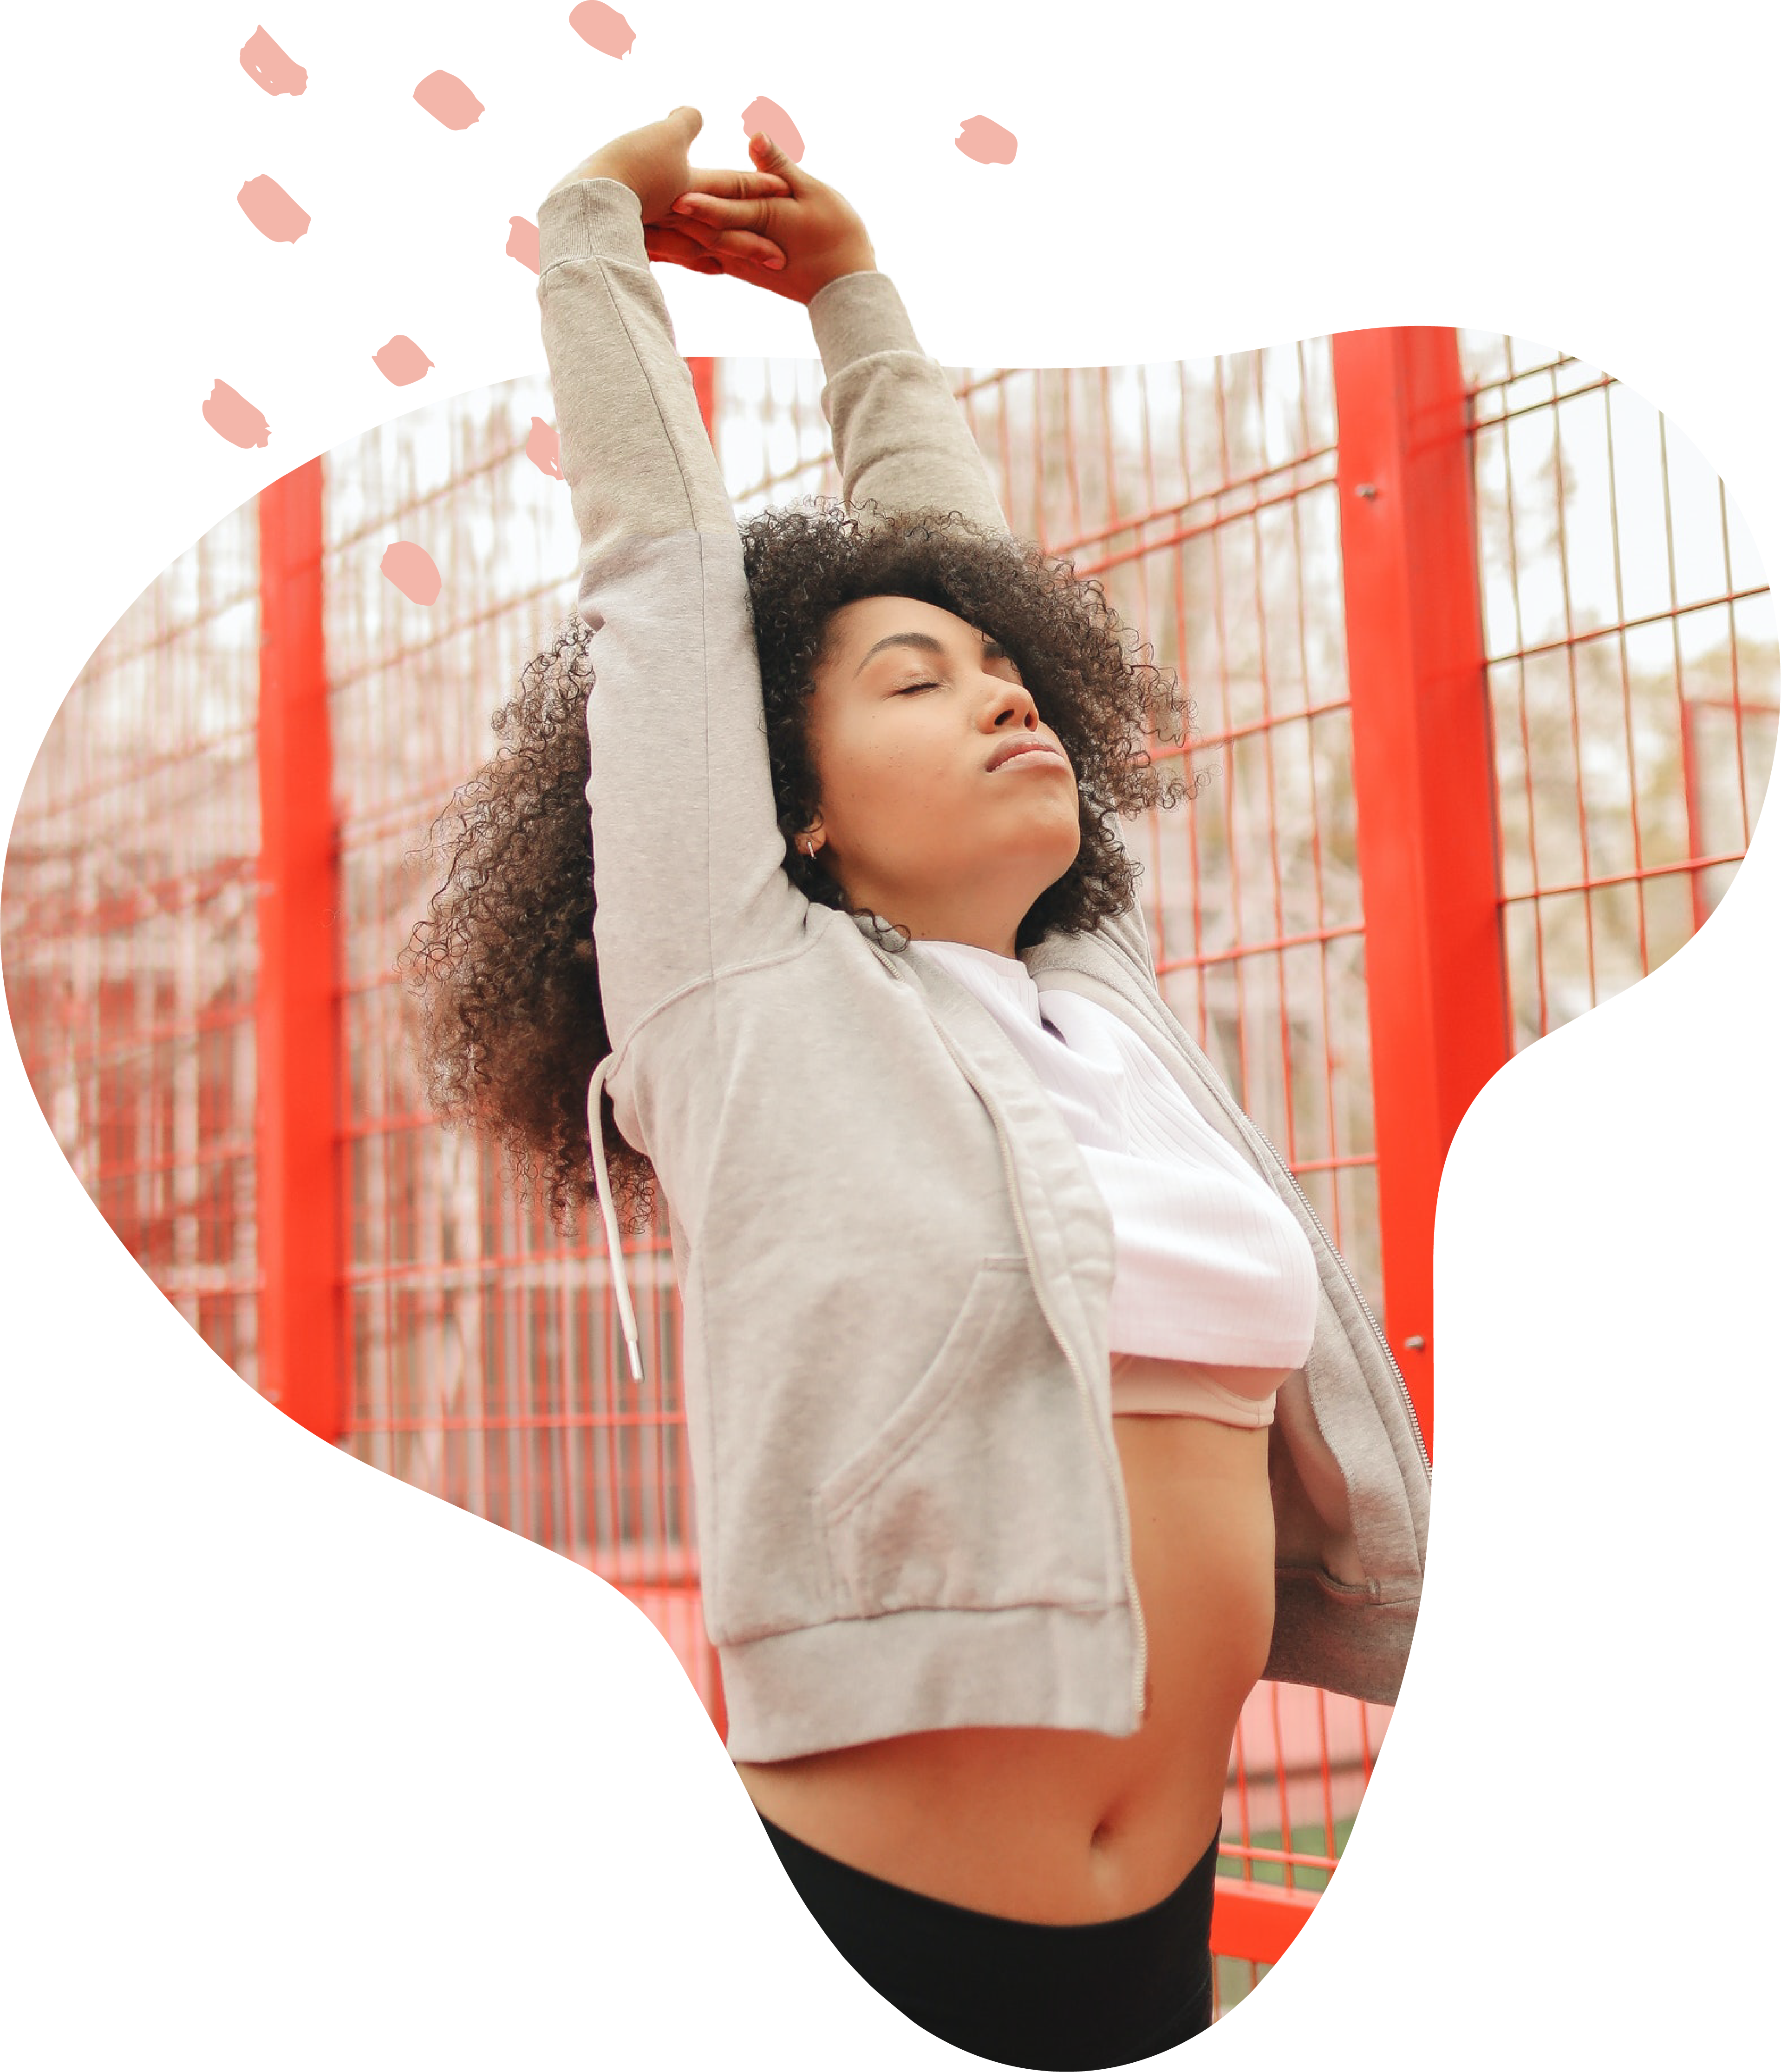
pixel 981 918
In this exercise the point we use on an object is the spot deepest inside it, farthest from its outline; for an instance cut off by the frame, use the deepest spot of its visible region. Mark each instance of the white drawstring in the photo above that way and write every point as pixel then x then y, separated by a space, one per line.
pixel 615 1250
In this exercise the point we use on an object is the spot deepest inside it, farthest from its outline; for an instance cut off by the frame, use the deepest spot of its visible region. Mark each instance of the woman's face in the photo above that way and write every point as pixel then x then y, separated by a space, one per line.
pixel 947 807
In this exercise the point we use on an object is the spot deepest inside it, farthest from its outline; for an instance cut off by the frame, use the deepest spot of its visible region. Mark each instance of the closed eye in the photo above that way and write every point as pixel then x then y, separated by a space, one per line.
pixel 903 689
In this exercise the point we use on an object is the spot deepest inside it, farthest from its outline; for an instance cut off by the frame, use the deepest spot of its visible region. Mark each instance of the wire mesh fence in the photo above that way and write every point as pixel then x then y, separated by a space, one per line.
pixel 1630 670
pixel 1630 643
pixel 130 932
pixel 483 1361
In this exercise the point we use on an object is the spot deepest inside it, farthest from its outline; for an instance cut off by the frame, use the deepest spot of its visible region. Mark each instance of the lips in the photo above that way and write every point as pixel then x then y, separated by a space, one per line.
pixel 1026 747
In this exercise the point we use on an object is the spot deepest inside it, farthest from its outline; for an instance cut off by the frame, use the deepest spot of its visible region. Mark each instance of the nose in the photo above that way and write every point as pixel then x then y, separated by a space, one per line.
pixel 1009 707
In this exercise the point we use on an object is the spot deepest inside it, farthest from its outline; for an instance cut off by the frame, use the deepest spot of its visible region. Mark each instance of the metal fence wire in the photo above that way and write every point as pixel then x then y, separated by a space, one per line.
pixel 130 944
pixel 1630 640
pixel 1629 666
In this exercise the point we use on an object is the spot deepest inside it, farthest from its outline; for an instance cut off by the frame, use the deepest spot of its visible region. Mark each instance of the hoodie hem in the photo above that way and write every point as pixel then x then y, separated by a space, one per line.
pixel 917 1672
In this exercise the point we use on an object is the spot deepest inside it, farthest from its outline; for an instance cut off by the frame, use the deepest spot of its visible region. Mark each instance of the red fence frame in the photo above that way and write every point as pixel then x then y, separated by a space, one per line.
pixel 1424 786
pixel 297 1132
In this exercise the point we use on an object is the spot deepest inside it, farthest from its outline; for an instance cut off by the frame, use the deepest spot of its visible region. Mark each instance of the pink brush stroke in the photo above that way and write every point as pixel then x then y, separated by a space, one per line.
pixel 761 113
pixel 272 212
pixel 604 28
pixel 230 413
pixel 446 97
pixel 543 449
pixel 986 141
pixel 523 242
pixel 412 571
pixel 400 361
pixel 268 67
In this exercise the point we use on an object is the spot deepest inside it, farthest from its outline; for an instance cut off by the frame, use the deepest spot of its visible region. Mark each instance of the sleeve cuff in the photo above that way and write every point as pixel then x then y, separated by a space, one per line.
pixel 857 314
pixel 590 220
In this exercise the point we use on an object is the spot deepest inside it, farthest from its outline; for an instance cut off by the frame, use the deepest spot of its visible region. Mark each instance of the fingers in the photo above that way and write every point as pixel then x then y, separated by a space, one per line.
pixel 689 247
pixel 768 157
pixel 678 249
pixel 712 237
pixel 721 212
pixel 736 183
pixel 747 244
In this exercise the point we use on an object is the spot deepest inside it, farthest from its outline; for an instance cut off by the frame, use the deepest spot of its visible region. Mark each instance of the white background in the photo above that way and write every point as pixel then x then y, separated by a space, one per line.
pixel 302 1767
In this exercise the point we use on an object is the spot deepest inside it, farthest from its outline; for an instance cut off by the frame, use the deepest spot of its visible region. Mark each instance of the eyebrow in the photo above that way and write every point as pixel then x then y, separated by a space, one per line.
pixel 929 645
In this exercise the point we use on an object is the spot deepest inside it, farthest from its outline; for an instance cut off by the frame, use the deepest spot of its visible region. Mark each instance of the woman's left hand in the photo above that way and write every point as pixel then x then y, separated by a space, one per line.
pixel 652 162
pixel 818 230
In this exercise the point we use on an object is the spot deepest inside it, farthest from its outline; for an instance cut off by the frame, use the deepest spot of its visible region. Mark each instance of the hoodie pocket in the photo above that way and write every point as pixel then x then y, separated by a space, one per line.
pixel 981 1489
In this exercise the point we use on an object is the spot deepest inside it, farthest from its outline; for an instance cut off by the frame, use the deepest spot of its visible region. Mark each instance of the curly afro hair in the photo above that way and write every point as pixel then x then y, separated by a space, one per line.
pixel 803 564
pixel 504 964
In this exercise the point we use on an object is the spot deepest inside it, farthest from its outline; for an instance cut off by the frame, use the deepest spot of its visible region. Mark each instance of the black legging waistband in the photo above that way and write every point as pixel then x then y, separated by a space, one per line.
pixel 1053 1998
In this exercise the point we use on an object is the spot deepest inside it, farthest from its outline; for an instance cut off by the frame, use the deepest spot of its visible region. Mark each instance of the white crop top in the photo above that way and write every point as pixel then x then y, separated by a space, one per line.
pixel 1215 1285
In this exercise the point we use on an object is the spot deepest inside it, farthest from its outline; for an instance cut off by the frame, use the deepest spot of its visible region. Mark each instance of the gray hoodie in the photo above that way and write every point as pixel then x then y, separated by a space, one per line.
pixel 894 1264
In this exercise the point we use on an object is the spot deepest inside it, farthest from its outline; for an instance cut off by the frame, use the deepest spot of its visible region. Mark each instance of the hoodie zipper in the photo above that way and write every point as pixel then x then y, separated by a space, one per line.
pixel 1141 1664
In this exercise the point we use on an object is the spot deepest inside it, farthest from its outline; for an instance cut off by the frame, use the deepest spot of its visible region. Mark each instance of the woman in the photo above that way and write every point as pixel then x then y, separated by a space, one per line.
pixel 1032 1416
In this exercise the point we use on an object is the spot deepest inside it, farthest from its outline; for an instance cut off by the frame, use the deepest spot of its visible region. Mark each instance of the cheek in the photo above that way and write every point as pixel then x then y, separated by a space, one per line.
pixel 877 779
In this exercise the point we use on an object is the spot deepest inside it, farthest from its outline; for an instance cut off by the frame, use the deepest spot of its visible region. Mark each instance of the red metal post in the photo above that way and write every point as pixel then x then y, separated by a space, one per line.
pixel 301 1366
pixel 1255 1920
pixel 1425 797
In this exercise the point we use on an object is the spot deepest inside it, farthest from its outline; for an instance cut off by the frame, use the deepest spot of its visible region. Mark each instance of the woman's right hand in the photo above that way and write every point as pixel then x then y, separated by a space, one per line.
pixel 819 231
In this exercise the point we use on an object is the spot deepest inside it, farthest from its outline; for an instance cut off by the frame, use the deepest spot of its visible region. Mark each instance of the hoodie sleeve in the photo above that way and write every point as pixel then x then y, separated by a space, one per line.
pixel 687 847
pixel 901 439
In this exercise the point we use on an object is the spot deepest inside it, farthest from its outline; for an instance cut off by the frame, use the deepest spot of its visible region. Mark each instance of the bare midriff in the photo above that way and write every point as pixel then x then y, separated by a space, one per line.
pixel 1047 1824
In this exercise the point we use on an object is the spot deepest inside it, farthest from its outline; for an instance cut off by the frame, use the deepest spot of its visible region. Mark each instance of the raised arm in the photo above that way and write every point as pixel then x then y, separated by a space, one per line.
pixel 901 437
pixel 686 844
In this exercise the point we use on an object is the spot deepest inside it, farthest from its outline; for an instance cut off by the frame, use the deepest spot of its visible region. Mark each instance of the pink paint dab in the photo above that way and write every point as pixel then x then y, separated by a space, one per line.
pixel 412 571
pixel 272 212
pixel 604 28
pixel 761 113
pixel 268 67
pixel 544 449
pixel 447 99
pixel 230 413
pixel 986 141
pixel 400 361
pixel 523 242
